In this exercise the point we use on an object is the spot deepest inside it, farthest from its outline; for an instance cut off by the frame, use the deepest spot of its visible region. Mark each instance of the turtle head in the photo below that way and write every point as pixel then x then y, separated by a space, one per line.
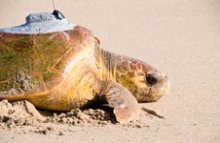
pixel 144 81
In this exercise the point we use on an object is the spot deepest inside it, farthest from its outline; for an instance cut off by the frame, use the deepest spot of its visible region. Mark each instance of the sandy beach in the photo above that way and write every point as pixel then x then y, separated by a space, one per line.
pixel 179 37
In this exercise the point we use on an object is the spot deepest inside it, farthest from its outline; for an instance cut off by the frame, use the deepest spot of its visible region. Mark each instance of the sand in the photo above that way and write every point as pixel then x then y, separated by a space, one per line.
pixel 179 37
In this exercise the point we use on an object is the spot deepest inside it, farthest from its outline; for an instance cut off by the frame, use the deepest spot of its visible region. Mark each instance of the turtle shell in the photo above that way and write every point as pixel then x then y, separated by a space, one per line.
pixel 31 63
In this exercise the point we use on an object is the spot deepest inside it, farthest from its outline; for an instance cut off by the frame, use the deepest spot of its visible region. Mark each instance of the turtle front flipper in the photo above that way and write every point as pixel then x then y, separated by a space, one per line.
pixel 124 103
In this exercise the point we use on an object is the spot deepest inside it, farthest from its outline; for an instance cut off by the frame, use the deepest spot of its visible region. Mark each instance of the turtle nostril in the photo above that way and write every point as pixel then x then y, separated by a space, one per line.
pixel 151 79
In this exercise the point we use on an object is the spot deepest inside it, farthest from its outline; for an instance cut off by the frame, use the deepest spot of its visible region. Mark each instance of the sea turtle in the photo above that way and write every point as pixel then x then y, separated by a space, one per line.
pixel 59 66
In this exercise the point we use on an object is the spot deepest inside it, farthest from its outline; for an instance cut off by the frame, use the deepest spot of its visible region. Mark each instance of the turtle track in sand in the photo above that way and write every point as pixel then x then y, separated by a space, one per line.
pixel 22 114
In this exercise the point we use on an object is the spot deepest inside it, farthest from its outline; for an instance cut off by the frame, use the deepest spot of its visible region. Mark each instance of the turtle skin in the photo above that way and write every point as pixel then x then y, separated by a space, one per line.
pixel 65 70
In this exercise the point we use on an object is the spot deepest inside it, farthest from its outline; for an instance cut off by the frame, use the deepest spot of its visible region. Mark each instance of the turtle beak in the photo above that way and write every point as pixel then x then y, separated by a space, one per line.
pixel 159 85
pixel 164 85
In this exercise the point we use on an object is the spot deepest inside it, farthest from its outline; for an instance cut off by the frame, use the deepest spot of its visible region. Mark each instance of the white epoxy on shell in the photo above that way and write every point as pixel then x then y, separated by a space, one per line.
pixel 38 23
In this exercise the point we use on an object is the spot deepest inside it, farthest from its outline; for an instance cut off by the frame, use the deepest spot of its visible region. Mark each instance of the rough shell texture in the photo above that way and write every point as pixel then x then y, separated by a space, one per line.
pixel 35 64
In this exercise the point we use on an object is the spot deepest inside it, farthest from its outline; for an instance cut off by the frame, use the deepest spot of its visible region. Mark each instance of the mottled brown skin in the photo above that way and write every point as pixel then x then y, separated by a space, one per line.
pixel 67 70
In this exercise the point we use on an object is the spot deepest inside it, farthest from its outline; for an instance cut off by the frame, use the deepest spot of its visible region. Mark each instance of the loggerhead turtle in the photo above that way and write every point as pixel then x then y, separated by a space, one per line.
pixel 59 66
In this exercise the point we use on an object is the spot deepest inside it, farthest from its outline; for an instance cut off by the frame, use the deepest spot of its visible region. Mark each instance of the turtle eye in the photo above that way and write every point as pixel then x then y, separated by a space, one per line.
pixel 151 79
